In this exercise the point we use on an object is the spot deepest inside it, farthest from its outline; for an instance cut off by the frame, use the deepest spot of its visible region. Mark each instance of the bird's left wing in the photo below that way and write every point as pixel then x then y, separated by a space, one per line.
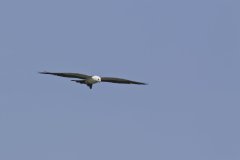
pixel 68 75
pixel 120 80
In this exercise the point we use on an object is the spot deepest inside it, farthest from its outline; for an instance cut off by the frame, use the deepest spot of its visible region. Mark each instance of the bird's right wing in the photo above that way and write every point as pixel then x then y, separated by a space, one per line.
pixel 68 75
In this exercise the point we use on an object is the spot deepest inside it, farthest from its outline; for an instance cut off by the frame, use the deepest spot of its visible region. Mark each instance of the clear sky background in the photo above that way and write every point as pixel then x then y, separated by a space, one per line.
pixel 188 51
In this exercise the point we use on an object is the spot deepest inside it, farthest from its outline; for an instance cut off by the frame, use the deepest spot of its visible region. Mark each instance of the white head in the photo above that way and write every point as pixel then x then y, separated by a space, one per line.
pixel 96 78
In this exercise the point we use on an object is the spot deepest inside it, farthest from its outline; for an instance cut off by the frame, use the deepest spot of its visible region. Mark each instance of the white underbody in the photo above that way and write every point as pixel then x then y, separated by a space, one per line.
pixel 93 80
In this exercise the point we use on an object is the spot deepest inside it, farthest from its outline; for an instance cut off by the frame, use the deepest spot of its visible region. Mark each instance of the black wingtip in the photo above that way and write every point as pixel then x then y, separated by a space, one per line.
pixel 141 83
pixel 44 72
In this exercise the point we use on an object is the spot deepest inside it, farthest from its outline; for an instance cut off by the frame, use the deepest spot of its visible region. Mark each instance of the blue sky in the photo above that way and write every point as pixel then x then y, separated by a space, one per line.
pixel 188 52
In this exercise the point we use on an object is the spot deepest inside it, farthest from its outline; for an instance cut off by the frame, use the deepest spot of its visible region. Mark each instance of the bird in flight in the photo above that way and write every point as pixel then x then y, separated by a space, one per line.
pixel 90 80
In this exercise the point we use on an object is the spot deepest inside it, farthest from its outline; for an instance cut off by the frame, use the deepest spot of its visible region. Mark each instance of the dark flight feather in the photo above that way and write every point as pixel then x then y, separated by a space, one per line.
pixel 120 80
pixel 68 75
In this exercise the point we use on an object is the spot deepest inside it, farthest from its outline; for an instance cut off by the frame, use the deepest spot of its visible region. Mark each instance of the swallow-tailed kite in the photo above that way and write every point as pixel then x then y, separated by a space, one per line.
pixel 90 80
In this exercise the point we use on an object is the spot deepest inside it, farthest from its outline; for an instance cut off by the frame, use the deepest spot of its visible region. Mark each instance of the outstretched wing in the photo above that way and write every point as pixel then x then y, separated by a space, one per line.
pixel 68 75
pixel 120 80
